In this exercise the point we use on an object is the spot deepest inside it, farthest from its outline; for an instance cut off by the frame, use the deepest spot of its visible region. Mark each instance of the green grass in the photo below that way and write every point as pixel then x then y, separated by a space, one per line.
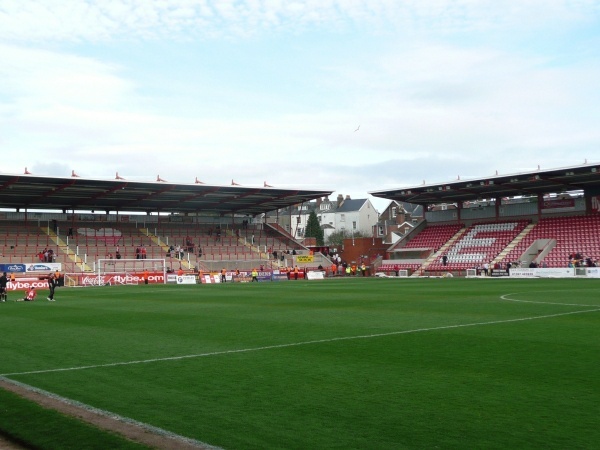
pixel 437 363
pixel 28 424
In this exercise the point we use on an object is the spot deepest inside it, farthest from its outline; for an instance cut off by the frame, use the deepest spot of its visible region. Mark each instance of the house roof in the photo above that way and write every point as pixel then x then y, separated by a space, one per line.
pixel 350 205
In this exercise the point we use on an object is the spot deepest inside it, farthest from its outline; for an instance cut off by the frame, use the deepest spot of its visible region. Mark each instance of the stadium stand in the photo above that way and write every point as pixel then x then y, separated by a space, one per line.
pixel 78 245
pixel 554 239
pixel 480 244
pixel 429 240
pixel 434 236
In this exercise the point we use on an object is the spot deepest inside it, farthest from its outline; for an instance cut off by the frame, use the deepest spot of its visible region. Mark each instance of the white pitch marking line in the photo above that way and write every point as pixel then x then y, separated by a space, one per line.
pixel 112 415
pixel 504 297
pixel 295 344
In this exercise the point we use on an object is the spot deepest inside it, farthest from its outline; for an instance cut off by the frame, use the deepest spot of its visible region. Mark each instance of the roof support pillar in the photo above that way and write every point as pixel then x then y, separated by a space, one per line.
pixel 588 202
pixel 497 203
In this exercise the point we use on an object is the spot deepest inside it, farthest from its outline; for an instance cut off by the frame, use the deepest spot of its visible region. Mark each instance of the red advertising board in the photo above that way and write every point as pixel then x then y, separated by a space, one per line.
pixel 119 278
pixel 22 284
pixel 563 203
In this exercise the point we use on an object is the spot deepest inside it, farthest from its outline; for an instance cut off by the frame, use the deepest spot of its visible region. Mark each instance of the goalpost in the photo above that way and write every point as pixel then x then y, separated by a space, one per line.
pixel 129 271
pixel 402 273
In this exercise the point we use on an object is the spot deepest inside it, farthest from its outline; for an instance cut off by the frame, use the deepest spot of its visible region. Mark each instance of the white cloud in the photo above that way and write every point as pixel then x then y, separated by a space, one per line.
pixel 58 20
pixel 426 105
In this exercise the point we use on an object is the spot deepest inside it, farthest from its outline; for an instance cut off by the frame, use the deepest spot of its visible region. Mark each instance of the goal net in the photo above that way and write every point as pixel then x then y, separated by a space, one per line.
pixel 131 271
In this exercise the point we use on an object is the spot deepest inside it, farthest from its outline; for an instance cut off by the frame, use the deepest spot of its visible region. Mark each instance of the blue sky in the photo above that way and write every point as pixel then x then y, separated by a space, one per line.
pixel 273 90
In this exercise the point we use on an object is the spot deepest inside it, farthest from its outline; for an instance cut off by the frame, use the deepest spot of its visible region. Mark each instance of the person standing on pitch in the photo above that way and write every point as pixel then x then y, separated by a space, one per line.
pixel 51 286
pixel 3 284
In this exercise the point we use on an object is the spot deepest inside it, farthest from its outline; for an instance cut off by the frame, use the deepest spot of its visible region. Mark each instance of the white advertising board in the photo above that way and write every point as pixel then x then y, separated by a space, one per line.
pixel 171 278
pixel 186 279
pixel 315 275
pixel 43 267
pixel 554 272
pixel 592 272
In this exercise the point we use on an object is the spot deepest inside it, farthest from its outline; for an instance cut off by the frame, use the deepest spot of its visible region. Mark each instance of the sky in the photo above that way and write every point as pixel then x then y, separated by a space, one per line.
pixel 351 96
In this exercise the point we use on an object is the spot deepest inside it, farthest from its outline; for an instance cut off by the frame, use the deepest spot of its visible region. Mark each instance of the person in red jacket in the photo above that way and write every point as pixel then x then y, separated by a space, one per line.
pixel 30 296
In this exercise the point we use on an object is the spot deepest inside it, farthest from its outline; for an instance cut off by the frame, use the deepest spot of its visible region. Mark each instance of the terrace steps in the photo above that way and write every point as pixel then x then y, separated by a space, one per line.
pixel 513 244
pixel 64 248
pixel 442 249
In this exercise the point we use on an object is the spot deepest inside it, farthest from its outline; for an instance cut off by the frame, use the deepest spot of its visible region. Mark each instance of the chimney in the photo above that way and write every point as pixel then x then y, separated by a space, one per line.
pixel 319 202
pixel 340 200
pixel 348 197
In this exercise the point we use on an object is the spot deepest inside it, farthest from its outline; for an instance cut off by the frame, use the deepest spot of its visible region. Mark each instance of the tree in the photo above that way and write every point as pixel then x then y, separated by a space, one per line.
pixel 336 239
pixel 313 229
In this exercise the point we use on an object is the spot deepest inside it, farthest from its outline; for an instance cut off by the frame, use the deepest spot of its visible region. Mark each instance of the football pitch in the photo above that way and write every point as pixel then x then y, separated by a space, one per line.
pixel 334 364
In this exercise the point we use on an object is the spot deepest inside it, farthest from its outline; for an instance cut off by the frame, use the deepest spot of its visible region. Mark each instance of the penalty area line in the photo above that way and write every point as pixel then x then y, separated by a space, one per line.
pixel 505 297
pixel 296 344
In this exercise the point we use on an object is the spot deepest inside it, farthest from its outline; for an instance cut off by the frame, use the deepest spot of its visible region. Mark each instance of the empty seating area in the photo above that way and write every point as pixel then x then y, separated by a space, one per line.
pixel 575 234
pixel 434 236
pixel 480 244
pixel 24 241
pixel 82 243
pixel 230 242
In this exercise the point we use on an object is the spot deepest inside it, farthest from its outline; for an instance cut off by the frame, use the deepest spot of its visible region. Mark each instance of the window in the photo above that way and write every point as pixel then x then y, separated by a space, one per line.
pixel 394 211
pixel 342 217
pixel 298 219
pixel 380 230
pixel 354 225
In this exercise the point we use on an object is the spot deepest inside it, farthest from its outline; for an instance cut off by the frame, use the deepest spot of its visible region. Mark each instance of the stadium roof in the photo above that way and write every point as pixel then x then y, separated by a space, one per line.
pixel 566 179
pixel 74 193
